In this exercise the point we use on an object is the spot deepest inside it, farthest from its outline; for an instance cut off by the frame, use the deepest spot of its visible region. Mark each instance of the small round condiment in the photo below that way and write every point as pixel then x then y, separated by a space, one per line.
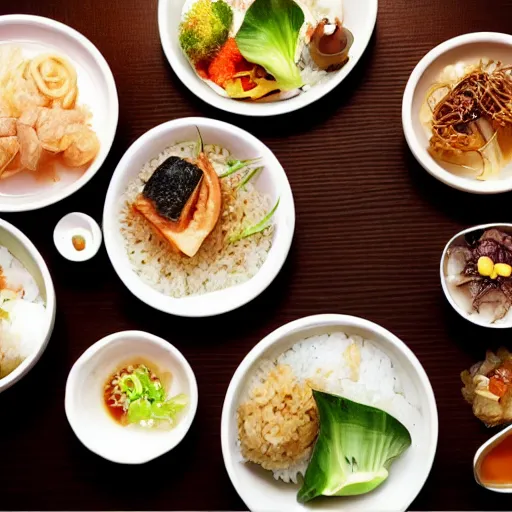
pixel 77 237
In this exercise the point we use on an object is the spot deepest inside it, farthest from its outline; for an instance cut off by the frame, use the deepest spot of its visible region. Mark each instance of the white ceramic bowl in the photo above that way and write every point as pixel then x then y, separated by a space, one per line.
pixel 360 17
pixel 257 487
pixel 89 417
pixel 458 239
pixel 24 250
pixel 77 224
pixel 272 180
pixel 97 90
pixel 468 48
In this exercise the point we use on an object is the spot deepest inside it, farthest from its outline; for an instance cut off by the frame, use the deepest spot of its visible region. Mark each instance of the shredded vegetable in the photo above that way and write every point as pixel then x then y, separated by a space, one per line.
pixel 258 228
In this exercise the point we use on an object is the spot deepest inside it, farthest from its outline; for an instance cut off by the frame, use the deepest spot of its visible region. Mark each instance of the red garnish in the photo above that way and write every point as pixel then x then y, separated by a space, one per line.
pixel 227 63
pixel 497 387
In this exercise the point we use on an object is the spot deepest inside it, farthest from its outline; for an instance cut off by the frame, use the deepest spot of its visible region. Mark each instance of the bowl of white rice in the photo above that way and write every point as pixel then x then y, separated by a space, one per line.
pixel 386 375
pixel 27 305
pixel 222 276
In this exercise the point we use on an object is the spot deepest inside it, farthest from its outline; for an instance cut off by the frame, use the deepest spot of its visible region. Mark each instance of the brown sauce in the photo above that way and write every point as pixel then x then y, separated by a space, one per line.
pixel 496 466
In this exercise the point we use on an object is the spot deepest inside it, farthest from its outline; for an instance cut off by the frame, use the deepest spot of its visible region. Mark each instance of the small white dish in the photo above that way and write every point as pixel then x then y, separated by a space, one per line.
pixel 472 317
pixel 77 225
pixel 272 180
pixel 467 48
pixel 262 493
pixel 97 90
pixel 87 413
pixel 359 16
pixel 479 457
pixel 24 250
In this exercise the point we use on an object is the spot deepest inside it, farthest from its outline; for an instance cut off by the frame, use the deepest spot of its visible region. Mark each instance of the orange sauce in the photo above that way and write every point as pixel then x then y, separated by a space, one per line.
pixel 496 466
pixel 78 242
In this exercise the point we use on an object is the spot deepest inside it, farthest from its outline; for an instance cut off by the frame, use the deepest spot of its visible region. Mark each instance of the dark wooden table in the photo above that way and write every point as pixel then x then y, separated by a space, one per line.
pixel 371 225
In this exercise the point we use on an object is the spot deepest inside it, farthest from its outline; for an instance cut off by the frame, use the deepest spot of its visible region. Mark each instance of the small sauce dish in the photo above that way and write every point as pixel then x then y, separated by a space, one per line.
pixel 455 296
pixel 492 465
pixel 91 419
pixel 77 237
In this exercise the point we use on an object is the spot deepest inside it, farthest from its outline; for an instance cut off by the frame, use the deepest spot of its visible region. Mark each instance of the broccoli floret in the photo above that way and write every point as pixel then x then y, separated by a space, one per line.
pixel 205 29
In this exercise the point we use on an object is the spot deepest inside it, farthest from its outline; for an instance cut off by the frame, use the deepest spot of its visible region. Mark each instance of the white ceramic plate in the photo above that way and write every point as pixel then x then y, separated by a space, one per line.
pixel 97 90
pixel 468 48
pixel 257 487
pixel 24 250
pixel 360 17
pixel 85 407
pixel 272 180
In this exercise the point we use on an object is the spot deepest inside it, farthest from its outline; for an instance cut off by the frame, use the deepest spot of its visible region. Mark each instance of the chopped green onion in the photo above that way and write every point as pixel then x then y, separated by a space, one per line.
pixel 238 165
pixel 248 177
pixel 131 385
pixel 200 143
pixel 4 315
pixel 258 228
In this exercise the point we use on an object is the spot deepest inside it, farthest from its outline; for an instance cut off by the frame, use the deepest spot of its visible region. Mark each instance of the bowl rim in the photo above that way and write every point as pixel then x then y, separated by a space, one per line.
pixel 255 110
pixel 50 306
pixel 216 307
pixel 321 321
pixel 444 284
pixel 37 203
pixel 418 151
pixel 72 382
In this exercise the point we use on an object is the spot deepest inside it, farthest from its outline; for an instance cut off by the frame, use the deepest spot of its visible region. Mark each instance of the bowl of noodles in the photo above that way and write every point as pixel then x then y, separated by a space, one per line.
pixel 58 112
pixel 457 112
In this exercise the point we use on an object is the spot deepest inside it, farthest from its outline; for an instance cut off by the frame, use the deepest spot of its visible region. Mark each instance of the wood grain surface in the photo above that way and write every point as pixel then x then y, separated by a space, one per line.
pixel 371 225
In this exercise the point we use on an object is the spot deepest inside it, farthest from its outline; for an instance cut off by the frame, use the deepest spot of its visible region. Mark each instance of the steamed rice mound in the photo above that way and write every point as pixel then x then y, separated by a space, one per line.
pixel 279 424
pixel 218 263
pixel 277 416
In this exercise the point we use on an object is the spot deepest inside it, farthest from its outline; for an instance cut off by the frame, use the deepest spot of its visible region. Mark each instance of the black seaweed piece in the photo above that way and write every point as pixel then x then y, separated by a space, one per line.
pixel 171 186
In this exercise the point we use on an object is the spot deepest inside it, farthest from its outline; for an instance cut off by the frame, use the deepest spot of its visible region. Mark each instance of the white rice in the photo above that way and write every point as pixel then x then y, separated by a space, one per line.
pixel 23 313
pixel 218 264
pixel 322 359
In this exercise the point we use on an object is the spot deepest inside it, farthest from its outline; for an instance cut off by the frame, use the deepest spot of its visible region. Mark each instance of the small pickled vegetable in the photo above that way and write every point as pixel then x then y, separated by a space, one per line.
pixel 205 29
pixel 330 44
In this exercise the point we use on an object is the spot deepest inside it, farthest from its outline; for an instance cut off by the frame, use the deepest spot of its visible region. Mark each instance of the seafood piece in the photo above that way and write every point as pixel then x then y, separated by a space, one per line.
pixel 182 200
pixel 9 148
pixel 30 147
pixel 488 388
pixel 53 124
pixel 7 126
pixel 81 147
pixel 482 270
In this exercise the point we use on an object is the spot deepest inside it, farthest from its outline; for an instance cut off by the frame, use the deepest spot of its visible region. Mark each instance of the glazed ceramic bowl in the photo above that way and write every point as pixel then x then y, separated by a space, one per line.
pixel 453 295
pixel 468 48
pixel 481 454
pixel 261 492
pixel 87 413
pixel 97 90
pixel 359 17
pixel 24 250
pixel 272 180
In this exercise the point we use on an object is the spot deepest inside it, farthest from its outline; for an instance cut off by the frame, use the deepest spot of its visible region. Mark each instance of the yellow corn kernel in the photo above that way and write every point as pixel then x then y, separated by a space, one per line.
pixel 503 270
pixel 485 266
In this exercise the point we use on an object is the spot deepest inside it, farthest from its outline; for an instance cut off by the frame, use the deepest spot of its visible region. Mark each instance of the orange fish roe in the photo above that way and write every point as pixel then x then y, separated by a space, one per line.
pixel 227 63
